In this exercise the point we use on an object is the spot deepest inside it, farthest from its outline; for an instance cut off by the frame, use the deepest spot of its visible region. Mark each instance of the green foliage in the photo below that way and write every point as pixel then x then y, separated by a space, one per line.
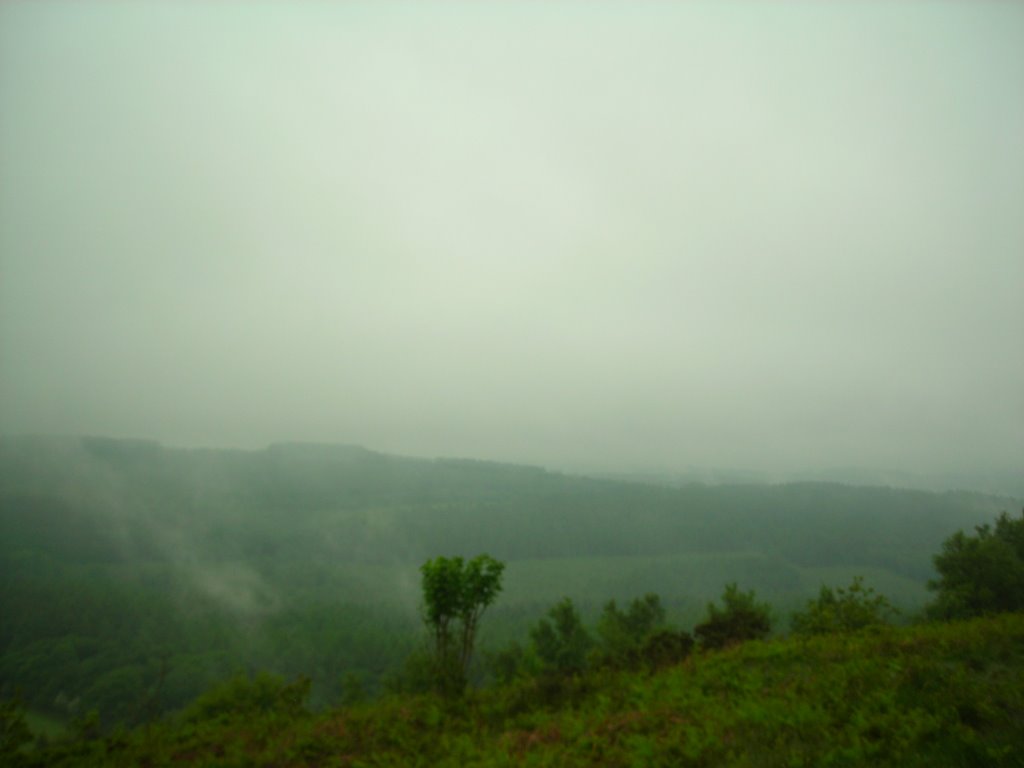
pixel 928 696
pixel 455 595
pixel 623 632
pixel 301 540
pixel 638 637
pixel 244 697
pixel 14 732
pixel 741 618
pixel 508 664
pixel 561 646
pixel 560 641
pixel 843 610
pixel 418 674
pixel 353 690
pixel 981 574
pixel 663 648
pixel 87 725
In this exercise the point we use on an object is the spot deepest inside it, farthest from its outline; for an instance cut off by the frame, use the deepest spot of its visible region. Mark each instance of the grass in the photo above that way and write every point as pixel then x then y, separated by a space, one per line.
pixel 929 695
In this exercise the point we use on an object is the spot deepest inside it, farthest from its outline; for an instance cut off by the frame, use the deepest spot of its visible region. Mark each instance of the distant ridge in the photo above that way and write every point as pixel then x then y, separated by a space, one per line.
pixel 326 450
pixel 1003 484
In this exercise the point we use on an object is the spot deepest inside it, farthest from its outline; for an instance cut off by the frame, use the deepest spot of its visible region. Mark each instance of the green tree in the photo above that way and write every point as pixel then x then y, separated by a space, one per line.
pixel 455 595
pixel 623 633
pixel 981 574
pixel 843 610
pixel 741 618
pixel 560 641
pixel 15 735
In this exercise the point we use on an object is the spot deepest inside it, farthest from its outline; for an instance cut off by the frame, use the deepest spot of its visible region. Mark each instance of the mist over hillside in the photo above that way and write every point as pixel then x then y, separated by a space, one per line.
pixel 636 237
pixel 995 483
pixel 145 498
pixel 634 297
pixel 127 563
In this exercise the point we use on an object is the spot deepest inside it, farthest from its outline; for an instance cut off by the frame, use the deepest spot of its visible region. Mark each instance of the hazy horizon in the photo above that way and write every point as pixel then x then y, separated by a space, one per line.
pixel 775 237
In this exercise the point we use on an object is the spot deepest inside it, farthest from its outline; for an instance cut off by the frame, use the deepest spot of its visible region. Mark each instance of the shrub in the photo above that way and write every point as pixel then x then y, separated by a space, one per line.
pixel 508 664
pixel 419 673
pixel 242 696
pixel 843 610
pixel 740 619
pixel 623 633
pixel 664 648
pixel 981 574
pixel 14 732
pixel 560 641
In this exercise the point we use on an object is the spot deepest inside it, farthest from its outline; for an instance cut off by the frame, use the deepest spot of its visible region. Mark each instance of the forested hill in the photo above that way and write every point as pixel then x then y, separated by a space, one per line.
pixel 132 576
pixel 128 499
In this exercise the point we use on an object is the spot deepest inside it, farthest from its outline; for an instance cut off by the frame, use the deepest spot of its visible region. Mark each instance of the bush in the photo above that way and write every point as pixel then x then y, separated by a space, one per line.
pixel 741 619
pixel 623 633
pixel 242 696
pixel 981 574
pixel 664 648
pixel 508 664
pixel 419 673
pixel 14 732
pixel 843 610
pixel 561 642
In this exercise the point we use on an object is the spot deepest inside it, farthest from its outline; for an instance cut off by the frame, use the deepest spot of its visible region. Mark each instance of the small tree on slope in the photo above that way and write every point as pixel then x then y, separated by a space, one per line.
pixel 455 595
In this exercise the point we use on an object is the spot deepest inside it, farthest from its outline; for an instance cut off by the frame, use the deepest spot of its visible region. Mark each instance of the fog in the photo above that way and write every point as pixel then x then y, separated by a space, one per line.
pixel 772 236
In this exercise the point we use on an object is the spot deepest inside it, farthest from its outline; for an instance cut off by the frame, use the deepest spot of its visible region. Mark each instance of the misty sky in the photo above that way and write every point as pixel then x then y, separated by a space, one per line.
pixel 773 236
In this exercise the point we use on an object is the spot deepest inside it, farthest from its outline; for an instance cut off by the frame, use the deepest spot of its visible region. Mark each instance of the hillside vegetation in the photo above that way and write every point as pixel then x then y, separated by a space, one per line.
pixel 133 577
pixel 935 695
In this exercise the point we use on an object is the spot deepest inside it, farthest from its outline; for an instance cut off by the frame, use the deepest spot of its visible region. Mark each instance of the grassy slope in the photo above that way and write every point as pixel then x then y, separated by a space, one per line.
pixel 945 695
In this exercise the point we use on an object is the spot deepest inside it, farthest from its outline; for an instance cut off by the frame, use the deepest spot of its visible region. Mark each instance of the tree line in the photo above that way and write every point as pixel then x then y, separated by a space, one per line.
pixel 978 574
